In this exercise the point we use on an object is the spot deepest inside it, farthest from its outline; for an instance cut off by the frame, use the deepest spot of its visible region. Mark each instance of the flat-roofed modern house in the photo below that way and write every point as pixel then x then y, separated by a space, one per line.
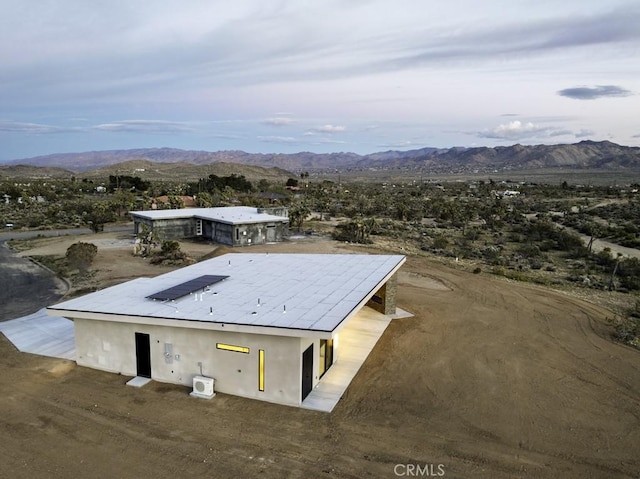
pixel 265 326
pixel 232 225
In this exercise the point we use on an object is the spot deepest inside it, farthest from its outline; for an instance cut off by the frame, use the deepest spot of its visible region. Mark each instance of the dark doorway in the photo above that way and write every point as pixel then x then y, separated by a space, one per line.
pixel 307 372
pixel 143 355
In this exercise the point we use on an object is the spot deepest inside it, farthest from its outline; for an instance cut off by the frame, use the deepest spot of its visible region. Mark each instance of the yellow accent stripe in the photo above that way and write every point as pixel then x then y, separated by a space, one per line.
pixel 231 347
pixel 261 369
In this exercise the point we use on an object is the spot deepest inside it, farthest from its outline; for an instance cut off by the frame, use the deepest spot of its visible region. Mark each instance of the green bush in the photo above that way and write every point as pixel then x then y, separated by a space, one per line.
pixel 170 252
pixel 440 242
pixel 628 330
pixel 80 255
pixel 629 274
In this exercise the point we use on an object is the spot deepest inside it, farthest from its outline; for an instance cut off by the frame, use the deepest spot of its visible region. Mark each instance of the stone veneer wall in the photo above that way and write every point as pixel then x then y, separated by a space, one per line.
pixel 384 300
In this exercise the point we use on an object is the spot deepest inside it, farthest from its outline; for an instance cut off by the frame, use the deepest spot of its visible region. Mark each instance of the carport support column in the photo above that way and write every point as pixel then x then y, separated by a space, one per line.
pixel 390 292
pixel 384 300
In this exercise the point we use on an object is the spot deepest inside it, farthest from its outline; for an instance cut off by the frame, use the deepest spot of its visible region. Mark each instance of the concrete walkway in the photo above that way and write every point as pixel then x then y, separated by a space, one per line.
pixel 355 341
pixel 42 334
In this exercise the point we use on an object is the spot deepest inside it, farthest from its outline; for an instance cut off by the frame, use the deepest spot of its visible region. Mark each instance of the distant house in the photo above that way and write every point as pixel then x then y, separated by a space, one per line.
pixel 282 328
pixel 507 193
pixel 232 226
pixel 272 197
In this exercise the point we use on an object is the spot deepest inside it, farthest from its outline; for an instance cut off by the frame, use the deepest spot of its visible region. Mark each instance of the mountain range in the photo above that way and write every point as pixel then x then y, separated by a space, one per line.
pixel 582 155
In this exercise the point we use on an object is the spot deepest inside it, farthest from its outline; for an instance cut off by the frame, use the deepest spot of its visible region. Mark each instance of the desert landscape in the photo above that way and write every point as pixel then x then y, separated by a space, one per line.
pixel 490 378
pixel 491 143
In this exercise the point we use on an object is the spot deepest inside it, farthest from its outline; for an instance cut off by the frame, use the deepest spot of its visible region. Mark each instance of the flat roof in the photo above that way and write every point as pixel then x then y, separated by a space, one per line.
pixel 223 214
pixel 269 292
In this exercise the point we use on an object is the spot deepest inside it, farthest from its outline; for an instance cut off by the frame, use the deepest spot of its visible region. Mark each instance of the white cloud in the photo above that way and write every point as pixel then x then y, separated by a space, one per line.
pixel 399 144
pixel 328 129
pixel 278 121
pixel 143 126
pixel 277 139
pixel 328 141
pixel 584 133
pixel 515 130
pixel 18 127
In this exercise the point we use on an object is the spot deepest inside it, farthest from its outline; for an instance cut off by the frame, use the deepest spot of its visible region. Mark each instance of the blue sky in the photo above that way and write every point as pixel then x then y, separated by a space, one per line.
pixel 323 76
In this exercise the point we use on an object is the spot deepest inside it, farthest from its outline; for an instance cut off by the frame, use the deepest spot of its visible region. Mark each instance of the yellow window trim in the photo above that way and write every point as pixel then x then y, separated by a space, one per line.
pixel 231 347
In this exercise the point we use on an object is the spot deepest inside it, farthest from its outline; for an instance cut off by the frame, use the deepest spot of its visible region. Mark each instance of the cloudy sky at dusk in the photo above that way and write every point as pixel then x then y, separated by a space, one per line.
pixel 322 76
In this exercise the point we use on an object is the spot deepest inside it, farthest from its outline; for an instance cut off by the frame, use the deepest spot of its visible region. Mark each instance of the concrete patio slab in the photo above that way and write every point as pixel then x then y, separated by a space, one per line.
pixel 355 341
pixel 39 333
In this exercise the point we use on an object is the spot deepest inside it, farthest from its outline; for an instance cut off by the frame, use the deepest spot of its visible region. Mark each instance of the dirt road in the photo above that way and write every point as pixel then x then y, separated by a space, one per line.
pixel 490 379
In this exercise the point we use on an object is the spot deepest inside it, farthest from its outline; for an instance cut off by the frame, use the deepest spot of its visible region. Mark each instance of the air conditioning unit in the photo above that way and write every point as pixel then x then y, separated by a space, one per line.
pixel 203 387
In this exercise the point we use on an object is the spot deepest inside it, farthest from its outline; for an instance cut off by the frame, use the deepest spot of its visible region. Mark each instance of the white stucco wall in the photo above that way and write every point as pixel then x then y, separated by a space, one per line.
pixel 110 346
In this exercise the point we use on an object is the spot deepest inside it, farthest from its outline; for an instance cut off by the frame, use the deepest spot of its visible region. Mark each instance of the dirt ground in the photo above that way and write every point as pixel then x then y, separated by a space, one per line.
pixel 489 379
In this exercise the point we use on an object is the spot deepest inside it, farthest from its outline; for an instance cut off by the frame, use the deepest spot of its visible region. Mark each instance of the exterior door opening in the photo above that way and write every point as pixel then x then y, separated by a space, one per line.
pixel 307 372
pixel 143 355
pixel 271 233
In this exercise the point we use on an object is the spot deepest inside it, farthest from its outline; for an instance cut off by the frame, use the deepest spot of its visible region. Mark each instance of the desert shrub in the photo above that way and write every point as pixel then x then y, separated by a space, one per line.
pixel 80 255
pixel 516 275
pixel 472 234
pixel 529 251
pixel 498 270
pixel 170 248
pixel 547 245
pixel 629 274
pixel 571 242
pixel 356 230
pixel 440 242
pixel 493 255
pixel 627 327
pixel 630 241
pixel 604 258
pixel 171 253
pixel 535 264
pixel 515 237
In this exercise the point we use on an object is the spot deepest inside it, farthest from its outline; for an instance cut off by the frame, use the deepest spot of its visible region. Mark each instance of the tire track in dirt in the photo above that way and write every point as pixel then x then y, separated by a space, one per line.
pixel 590 336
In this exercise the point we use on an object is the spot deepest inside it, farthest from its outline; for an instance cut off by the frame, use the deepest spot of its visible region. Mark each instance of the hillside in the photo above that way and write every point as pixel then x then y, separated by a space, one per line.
pixel 30 171
pixel 91 160
pixel 583 155
pixel 586 154
pixel 149 170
